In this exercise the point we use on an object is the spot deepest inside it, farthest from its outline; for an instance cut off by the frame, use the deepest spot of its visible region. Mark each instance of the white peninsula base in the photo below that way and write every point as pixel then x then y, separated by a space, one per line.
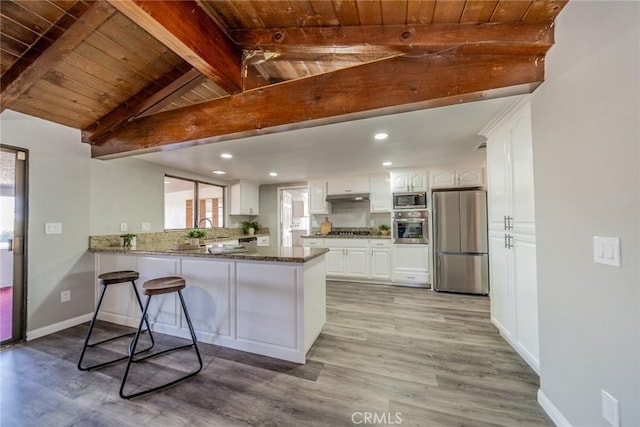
pixel 274 309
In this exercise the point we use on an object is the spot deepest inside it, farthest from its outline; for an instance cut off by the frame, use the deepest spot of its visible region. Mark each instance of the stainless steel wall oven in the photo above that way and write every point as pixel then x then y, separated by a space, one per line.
pixel 410 226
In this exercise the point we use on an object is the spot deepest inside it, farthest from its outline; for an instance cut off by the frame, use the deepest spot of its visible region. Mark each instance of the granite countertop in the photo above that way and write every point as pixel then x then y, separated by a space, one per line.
pixel 324 236
pixel 254 253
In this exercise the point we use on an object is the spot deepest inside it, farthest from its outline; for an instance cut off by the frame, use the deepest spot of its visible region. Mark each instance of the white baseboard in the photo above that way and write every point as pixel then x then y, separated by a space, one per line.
pixel 551 410
pixel 41 332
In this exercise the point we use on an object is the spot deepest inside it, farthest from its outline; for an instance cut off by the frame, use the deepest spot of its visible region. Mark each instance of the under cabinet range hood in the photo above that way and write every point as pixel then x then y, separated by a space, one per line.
pixel 355 197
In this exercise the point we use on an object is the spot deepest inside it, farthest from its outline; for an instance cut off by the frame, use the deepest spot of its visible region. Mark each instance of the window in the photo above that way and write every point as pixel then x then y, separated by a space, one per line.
pixel 181 210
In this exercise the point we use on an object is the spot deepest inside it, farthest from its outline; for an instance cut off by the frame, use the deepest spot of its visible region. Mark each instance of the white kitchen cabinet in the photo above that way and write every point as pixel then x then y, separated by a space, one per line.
pixel 512 244
pixel 312 243
pixel 263 241
pixel 347 257
pixel 410 180
pixel 380 198
pixel 244 198
pixel 318 198
pixel 459 177
pixel 410 264
pixel 350 185
pixel 380 259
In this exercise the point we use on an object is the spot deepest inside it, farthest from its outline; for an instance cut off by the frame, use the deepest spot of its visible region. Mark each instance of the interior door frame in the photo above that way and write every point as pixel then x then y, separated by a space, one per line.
pixel 279 208
pixel 20 249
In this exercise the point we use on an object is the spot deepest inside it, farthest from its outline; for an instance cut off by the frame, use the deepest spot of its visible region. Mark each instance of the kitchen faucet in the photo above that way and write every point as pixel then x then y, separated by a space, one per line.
pixel 205 219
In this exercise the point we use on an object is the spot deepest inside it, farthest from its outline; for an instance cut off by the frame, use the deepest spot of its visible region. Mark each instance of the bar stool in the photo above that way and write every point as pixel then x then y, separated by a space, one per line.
pixel 105 280
pixel 159 286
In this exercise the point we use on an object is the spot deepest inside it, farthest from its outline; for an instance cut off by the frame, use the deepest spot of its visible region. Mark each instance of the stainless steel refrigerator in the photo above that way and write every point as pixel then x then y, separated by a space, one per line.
pixel 460 241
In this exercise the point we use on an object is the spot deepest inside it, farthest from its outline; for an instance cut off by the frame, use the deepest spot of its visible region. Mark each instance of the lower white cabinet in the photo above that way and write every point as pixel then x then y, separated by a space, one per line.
pixel 514 298
pixel 347 257
pixel 410 264
pixel 367 260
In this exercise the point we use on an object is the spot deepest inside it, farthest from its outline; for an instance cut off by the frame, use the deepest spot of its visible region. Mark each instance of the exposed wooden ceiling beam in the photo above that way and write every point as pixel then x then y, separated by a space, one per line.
pixel 368 90
pixel 15 84
pixel 149 99
pixel 513 38
pixel 189 32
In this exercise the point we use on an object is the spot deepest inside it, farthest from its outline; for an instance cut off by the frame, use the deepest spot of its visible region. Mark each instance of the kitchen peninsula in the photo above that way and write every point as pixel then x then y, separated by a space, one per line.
pixel 267 300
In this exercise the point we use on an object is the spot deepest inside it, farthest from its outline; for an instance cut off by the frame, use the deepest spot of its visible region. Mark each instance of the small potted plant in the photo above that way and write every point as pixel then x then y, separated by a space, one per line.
pixel 250 227
pixel 197 236
pixel 128 240
pixel 384 229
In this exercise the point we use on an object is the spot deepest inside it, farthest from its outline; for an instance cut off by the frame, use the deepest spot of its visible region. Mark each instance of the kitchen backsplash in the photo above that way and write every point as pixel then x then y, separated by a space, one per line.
pixel 352 215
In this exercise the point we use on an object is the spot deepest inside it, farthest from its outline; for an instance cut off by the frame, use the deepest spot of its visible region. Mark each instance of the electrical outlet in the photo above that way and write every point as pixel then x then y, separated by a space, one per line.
pixel 610 409
pixel 146 226
pixel 65 296
pixel 123 226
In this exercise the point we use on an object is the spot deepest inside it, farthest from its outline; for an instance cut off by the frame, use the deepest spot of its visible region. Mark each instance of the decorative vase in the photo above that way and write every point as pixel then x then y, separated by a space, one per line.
pixel 251 231
pixel 384 232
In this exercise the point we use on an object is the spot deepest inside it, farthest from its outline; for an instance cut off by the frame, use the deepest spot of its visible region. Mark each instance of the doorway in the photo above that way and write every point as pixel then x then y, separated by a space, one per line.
pixel 13 215
pixel 294 215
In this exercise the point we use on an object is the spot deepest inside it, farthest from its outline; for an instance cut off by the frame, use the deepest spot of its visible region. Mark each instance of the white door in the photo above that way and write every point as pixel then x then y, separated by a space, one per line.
pixel 285 225
pixel 497 180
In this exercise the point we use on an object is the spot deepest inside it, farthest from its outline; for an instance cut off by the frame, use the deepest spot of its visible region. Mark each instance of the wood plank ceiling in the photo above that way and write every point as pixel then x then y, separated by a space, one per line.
pixel 143 75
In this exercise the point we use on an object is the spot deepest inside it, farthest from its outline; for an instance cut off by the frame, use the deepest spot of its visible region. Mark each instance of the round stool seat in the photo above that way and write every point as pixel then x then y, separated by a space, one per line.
pixel 118 277
pixel 163 285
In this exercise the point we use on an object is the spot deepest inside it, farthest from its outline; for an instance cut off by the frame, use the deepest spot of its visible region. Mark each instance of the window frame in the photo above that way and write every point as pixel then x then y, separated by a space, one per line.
pixel 196 197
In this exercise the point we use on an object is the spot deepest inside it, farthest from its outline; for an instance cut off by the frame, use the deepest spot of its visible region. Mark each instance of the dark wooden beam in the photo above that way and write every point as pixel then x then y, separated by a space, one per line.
pixel 369 90
pixel 486 38
pixel 145 102
pixel 26 73
pixel 188 31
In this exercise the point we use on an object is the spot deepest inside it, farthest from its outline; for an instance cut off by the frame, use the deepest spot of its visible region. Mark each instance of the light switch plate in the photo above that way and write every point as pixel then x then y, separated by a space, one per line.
pixel 123 226
pixel 53 228
pixel 606 250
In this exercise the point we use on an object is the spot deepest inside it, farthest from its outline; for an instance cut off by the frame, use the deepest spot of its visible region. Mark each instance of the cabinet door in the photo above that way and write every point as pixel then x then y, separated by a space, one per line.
pixel 244 198
pixel 119 304
pixel 163 309
pixel 442 178
pixel 357 262
pixel 418 181
pixel 497 179
pixel 399 182
pixel 501 287
pixel 522 191
pixel 317 197
pixel 380 194
pixel 336 262
pixel 380 263
pixel 526 298
pixel 469 177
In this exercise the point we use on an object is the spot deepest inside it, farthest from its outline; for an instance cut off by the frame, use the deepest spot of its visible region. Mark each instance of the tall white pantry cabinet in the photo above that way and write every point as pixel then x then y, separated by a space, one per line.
pixel 512 239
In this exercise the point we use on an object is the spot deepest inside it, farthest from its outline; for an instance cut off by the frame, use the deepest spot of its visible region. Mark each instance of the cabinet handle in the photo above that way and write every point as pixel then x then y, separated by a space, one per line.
pixel 510 222
pixel 411 277
pixel 510 241
pixel 505 222
pixel 506 241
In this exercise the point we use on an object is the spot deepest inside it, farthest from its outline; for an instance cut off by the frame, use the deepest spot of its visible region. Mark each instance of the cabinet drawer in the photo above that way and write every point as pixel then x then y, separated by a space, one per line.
pixel 313 243
pixel 346 243
pixel 410 277
pixel 380 243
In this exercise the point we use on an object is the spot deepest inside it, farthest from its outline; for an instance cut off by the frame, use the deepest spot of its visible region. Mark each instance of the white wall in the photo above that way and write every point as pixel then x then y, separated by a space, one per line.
pixel 59 191
pixel 586 147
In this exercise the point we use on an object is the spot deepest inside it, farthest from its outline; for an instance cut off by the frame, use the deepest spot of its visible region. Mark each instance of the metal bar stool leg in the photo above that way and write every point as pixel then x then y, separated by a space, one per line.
pixel 107 279
pixel 171 287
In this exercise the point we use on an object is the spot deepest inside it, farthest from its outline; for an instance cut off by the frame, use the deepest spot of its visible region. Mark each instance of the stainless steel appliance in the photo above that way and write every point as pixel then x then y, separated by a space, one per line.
pixel 460 241
pixel 248 241
pixel 410 227
pixel 409 201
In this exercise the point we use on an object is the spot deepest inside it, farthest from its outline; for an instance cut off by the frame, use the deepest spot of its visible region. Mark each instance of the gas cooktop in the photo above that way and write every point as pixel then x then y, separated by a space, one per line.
pixel 348 233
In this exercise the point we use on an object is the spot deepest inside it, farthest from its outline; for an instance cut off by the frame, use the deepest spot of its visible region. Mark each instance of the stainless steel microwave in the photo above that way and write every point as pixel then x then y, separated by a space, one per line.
pixel 409 200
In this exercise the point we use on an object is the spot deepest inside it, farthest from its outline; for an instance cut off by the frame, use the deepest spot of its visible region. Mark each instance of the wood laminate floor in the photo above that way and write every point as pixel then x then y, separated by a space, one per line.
pixel 387 356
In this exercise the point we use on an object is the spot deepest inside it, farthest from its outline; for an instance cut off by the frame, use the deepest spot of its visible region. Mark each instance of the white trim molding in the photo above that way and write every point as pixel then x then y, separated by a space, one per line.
pixel 41 332
pixel 551 410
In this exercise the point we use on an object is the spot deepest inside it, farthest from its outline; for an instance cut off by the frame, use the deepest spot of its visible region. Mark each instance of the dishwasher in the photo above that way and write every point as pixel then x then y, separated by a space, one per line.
pixel 248 241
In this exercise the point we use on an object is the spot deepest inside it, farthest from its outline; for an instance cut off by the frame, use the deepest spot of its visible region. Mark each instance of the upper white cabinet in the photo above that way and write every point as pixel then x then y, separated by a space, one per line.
pixel 459 177
pixel 409 180
pixel 351 185
pixel 510 174
pixel 318 198
pixel 244 198
pixel 380 199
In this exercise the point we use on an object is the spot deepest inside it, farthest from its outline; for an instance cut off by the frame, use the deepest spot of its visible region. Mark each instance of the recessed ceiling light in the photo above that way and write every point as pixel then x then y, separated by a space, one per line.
pixel 386 163
pixel 226 155
pixel 273 173
pixel 380 136
pixel 219 172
